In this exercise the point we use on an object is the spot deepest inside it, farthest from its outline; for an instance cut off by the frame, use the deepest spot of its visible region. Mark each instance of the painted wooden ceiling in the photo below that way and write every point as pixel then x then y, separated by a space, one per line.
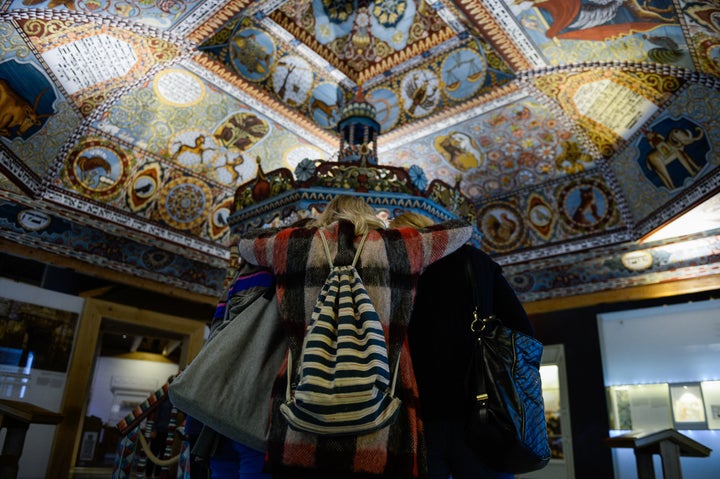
pixel 126 126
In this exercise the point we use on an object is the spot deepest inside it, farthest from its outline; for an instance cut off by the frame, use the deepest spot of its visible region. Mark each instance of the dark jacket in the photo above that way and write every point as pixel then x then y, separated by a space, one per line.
pixel 439 334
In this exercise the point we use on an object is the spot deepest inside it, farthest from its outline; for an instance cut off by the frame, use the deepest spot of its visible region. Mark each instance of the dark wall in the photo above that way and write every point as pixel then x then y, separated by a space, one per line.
pixel 577 330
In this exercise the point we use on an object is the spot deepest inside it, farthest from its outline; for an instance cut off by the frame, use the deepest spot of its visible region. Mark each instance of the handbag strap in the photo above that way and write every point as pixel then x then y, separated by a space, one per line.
pixel 482 298
pixel 482 306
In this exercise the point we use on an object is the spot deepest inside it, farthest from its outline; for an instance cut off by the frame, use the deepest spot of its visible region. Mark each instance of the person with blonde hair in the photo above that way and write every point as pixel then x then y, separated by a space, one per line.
pixel 389 263
pixel 411 219
pixel 350 208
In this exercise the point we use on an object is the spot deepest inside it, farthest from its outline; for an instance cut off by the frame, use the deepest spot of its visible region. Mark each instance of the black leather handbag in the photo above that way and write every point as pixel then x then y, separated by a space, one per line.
pixel 506 426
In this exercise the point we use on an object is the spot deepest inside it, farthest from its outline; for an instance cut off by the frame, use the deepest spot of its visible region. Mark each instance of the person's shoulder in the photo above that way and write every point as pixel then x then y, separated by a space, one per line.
pixel 288 231
pixel 254 233
pixel 471 251
pixel 453 229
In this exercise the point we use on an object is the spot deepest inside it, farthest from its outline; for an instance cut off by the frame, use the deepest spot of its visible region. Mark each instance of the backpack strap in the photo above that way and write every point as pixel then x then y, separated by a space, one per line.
pixel 359 248
pixel 327 249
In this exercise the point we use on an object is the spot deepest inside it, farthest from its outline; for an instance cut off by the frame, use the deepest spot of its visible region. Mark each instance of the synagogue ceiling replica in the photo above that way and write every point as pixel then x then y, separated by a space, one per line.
pixel 132 131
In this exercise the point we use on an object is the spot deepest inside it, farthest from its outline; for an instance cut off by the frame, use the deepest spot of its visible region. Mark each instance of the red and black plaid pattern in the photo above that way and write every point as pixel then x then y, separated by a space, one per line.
pixel 390 265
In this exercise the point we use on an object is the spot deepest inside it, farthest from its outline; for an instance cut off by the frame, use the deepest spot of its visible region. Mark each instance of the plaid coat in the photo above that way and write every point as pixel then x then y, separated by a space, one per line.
pixel 390 264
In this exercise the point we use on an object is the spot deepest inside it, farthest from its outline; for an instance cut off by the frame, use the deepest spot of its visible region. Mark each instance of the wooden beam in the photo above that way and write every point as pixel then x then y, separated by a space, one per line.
pixel 92 293
pixel 103 273
pixel 632 293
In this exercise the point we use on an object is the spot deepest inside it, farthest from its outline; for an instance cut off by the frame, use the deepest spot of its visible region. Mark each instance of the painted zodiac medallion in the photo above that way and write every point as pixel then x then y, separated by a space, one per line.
pixel 326 103
pixel 387 107
pixel 292 79
pixel 586 205
pixel 97 168
pixel 501 225
pixel 420 92
pixel 252 52
pixel 27 100
pixel 463 73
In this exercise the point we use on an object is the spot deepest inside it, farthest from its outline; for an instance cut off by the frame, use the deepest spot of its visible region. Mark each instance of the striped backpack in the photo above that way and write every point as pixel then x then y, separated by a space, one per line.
pixel 344 384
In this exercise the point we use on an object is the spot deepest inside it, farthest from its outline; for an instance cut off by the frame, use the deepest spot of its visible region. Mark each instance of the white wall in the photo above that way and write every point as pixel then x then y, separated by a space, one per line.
pixel 45 388
pixel 116 380
pixel 667 344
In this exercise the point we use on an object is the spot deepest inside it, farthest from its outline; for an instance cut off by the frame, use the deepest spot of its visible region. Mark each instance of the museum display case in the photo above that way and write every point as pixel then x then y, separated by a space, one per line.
pixel 683 406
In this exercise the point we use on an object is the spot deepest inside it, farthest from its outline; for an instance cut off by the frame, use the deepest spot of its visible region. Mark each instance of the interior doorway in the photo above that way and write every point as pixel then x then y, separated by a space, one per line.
pixel 131 363
pixel 121 355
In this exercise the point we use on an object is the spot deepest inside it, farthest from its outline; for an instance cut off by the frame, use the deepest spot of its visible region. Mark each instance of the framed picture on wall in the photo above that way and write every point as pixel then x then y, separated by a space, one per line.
pixel 34 336
pixel 688 406
pixel 711 396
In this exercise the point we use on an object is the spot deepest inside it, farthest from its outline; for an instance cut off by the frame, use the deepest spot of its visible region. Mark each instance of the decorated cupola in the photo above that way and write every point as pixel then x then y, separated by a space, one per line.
pixel 359 131
pixel 280 197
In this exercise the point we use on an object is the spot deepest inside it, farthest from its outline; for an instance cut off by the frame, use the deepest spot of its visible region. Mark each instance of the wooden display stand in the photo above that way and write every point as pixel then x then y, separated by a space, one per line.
pixel 16 417
pixel 669 443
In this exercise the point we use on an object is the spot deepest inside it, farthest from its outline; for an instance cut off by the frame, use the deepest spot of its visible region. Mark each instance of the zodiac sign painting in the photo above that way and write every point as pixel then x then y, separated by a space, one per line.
pixel 586 205
pixel 463 73
pixel 387 109
pixel 420 92
pixel 292 79
pixel 252 52
pixel 460 150
pixel 673 152
pixel 326 104
pixel 26 100
pixel 501 225
pixel 98 168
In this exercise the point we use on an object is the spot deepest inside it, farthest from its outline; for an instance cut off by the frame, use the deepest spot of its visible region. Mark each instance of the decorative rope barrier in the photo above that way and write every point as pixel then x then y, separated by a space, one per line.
pixel 156 460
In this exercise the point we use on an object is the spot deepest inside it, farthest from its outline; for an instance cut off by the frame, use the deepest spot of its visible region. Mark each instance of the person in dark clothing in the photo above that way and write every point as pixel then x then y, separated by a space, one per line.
pixel 441 344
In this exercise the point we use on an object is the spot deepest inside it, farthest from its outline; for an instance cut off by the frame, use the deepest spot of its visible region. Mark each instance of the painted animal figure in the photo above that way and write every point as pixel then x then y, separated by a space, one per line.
pixel 16 113
pixel 230 166
pixel 422 94
pixel 330 111
pixel 571 159
pixel 587 205
pixel 666 150
pixel 501 229
pixel 198 149
pixel 89 167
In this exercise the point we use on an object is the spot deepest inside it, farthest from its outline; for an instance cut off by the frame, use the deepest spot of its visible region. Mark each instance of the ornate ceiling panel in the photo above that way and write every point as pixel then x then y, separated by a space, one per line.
pixel 566 124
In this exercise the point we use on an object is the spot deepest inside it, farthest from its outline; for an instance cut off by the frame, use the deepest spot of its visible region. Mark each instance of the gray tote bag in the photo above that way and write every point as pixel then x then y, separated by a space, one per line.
pixel 228 385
